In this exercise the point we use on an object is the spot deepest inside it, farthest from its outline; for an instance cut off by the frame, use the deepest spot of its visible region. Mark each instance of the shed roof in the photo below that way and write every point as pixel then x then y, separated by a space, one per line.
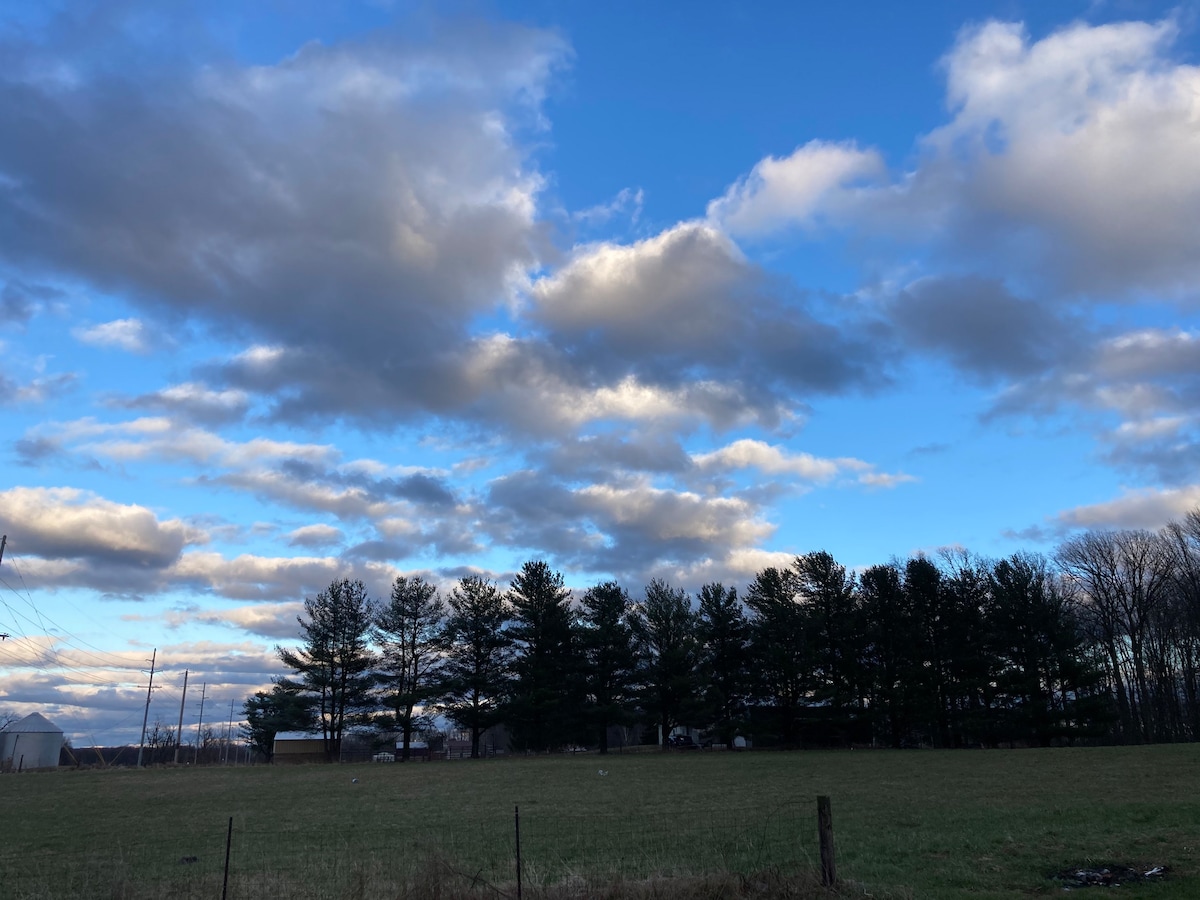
pixel 297 736
pixel 34 723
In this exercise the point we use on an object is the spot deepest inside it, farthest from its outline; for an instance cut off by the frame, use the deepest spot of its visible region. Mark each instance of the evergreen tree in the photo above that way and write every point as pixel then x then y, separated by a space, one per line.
pixel 666 630
pixel 409 631
pixel 334 665
pixel 970 663
pixel 478 653
pixel 544 702
pixel 267 713
pixel 1044 678
pixel 827 595
pixel 782 658
pixel 609 647
pixel 724 636
pixel 890 657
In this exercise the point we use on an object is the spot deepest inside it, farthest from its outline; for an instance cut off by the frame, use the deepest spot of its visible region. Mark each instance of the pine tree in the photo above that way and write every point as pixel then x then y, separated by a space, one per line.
pixel 334 665
pixel 408 629
pixel 475 675
pixel 609 647
pixel 546 694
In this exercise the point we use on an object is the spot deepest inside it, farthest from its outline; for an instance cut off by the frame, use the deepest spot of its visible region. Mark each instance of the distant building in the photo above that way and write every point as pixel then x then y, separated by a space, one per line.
pixel 299 747
pixel 32 743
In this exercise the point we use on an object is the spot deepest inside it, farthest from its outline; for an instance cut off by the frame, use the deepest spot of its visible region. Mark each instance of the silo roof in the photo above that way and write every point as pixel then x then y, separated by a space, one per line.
pixel 34 723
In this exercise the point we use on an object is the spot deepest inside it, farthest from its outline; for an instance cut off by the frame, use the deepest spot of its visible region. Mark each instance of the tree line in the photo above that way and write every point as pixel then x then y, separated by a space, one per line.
pixel 1099 642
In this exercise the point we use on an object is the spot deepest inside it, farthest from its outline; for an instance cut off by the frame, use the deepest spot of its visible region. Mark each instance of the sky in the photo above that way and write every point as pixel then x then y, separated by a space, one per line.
pixel 297 291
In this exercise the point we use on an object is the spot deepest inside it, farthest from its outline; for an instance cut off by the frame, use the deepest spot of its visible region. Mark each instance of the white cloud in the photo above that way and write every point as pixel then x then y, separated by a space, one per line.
pixel 816 180
pixel 885 480
pixel 773 460
pixel 1072 161
pixel 250 577
pixel 315 536
pixel 665 515
pixel 1077 154
pixel 129 335
pixel 676 282
pixel 627 202
pixel 165 438
pixel 1137 508
pixel 64 523
pixel 734 569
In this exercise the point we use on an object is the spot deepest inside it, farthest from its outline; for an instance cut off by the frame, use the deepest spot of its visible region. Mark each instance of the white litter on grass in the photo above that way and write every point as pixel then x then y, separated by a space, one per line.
pixel 354 781
pixel 602 772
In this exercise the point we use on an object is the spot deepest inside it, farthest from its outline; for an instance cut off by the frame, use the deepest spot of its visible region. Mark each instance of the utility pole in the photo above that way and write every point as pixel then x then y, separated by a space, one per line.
pixel 146 714
pixel 229 732
pixel 179 730
pixel 200 723
pixel 3 543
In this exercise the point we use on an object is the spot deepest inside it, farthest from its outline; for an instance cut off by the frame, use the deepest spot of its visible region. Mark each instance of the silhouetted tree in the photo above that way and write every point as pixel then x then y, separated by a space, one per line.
pixel 409 631
pixel 545 699
pixel 783 660
pixel 606 637
pixel 333 667
pixel 478 653
pixel 890 652
pixel 724 636
pixel 666 631
pixel 266 713
pixel 1125 577
pixel 1044 679
pixel 827 597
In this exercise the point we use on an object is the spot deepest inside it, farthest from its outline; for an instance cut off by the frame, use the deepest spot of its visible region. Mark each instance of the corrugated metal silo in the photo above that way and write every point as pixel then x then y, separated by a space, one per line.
pixel 32 743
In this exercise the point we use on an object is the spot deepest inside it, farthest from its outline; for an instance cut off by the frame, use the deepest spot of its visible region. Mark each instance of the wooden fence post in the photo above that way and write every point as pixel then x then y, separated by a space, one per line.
pixel 825 830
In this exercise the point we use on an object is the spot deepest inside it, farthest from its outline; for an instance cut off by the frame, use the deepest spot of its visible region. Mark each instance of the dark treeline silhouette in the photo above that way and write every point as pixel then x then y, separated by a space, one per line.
pixel 1098 643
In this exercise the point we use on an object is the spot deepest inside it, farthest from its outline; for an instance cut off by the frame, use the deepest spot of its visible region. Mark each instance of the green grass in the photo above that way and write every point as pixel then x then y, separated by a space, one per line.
pixel 915 823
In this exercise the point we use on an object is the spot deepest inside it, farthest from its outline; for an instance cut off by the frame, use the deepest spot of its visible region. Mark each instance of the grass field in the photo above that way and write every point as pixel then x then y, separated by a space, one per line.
pixel 908 823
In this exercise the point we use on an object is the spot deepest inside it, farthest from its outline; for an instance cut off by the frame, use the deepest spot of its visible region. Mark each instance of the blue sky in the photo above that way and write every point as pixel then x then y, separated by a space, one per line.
pixel 296 291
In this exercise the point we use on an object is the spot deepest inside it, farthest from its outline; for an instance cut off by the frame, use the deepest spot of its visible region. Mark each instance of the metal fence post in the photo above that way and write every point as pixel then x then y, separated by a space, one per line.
pixel 228 844
pixel 517 826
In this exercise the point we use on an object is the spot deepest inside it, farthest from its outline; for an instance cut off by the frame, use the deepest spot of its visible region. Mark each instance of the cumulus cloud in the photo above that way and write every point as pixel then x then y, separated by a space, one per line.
pixel 251 577
pixel 261 198
pixel 1137 508
pixel 628 527
pixel 130 335
pixel 70 524
pixel 315 536
pixel 981 327
pixel 270 620
pixel 773 460
pixel 1071 162
pixel 1086 138
pixel 1147 379
pixel 164 438
pixel 35 390
pixel 194 401
pixel 686 306
pixel 810 184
